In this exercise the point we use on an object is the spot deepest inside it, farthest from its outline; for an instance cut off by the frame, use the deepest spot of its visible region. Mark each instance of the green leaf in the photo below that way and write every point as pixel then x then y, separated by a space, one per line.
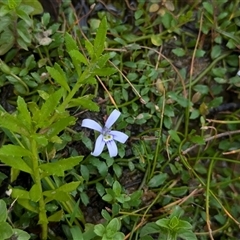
pixel 85 102
pixel 27 204
pixel 60 125
pixel 68 187
pixel 164 223
pixel 6 41
pixel 16 163
pixel 184 225
pixel 59 76
pixel 70 43
pixel 56 195
pixel 12 4
pixel 89 48
pixel 100 38
pixel 35 193
pixel 101 166
pixel 180 52
pixel 117 188
pixel 209 7
pixel 156 40
pixel 20 234
pixel 24 16
pixel 77 233
pixel 179 99
pixel 48 108
pixel 174 136
pixel 56 217
pixel 219 71
pixel 200 53
pixel 157 180
pixel 197 139
pixel 78 57
pixel 58 168
pixel 14 151
pixel 99 229
pixel 11 123
pixel 113 226
pixel 187 235
pixel 3 211
pixel 149 228
pixel 118 236
pixel 6 230
pixel 20 194
pixel 107 71
pixel 37 7
pixel 100 62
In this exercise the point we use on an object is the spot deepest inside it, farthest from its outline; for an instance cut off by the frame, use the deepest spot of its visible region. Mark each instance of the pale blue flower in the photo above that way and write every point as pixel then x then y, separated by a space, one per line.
pixel 107 136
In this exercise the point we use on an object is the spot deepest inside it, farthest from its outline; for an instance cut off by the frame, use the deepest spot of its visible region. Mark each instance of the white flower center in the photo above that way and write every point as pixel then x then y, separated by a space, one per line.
pixel 106 135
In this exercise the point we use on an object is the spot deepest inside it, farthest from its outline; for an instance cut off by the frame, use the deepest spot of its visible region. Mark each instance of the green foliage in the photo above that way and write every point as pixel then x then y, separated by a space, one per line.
pixel 172 74
pixel 110 231
pixel 169 228
pixel 17 23
pixel 6 231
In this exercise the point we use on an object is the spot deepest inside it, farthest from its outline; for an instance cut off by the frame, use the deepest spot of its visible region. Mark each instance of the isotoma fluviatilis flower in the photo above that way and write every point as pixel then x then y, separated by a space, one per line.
pixel 107 136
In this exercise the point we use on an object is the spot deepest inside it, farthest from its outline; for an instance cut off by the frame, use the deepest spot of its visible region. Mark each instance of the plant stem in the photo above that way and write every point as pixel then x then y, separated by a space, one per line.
pixel 37 179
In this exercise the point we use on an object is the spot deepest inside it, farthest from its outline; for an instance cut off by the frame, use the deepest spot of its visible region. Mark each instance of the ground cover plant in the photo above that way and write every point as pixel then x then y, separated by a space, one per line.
pixel 119 119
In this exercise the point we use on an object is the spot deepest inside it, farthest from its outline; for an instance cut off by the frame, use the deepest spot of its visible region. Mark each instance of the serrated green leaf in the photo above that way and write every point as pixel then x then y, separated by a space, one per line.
pixel 60 125
pixel 78 57
pixel 85 102
pixel 16 162
pixel 89 48
pixel 11 123
pixel 24 114
pixel 107 71
pixel 100 38
pixel 70 43
pixel 58 168
pixel 100 62
pixel 59 76
pixel 14 151
pixel 48 108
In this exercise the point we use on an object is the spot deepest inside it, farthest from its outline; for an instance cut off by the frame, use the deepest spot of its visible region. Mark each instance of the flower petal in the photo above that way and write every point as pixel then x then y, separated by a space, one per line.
pixel 112 148
pixel 99 145
pixel 112 118
pixel 119 136
pixel 89 123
